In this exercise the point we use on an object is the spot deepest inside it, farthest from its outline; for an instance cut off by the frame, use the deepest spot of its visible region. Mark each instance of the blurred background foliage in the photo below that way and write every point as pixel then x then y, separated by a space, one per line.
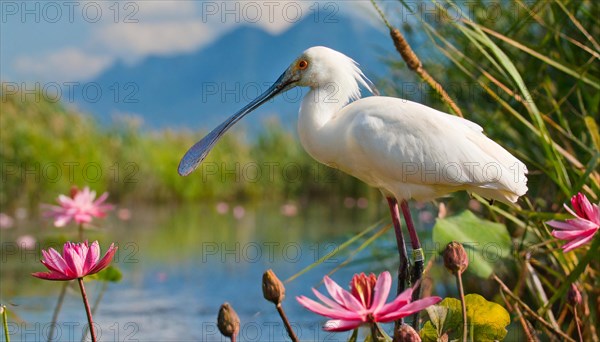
pixel 46 148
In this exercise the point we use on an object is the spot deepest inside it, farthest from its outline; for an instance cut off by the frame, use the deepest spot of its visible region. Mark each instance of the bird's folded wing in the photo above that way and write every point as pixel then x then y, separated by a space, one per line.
pixel 398 141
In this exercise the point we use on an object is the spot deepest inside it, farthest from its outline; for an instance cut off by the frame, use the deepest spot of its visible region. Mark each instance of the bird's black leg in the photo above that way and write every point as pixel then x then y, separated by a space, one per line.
pixel 418 256
pixel 403 273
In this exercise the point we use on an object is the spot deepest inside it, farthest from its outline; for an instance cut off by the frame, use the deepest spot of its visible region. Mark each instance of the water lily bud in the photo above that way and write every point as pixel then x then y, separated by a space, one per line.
pixel 228 321
pixel 574 296
pixel 455 258
pixel 74 191
pixel 406 334
pixel 273 289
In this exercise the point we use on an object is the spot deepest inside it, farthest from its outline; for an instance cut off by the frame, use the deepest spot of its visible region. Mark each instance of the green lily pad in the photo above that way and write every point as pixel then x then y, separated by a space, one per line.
pixel 440 319
pixel 111 274
pixel 487 320
pixel 486 243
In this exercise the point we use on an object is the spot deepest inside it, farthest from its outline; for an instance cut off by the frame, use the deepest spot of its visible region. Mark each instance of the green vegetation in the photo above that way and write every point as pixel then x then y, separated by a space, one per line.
pixel 487 320
pixel 46 148
pixel 529 73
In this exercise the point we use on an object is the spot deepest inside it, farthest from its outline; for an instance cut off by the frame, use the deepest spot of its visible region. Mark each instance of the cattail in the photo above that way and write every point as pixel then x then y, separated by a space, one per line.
pixel 405 50
pixel 414 63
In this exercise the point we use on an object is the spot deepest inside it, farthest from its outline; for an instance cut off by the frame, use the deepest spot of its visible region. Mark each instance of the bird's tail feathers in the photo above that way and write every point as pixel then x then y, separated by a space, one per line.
pixel 511 180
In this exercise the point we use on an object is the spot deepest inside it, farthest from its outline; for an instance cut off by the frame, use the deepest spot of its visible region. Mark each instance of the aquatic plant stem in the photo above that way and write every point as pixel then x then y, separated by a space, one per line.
pixel 286 322
pixel 57 308
pixel 376 333
pixel 5 322
pixel 80 232
pixel 95 307
pixel 525 325
pixel 87 309
pixel 577 324
pixel 463 304
pixel 529 311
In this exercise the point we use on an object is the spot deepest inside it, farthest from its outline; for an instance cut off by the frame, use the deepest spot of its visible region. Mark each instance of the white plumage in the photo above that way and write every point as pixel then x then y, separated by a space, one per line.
pixel 405 149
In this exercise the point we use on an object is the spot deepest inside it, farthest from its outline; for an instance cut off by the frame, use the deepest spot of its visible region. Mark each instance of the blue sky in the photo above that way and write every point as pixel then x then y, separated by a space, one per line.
pixel 62 41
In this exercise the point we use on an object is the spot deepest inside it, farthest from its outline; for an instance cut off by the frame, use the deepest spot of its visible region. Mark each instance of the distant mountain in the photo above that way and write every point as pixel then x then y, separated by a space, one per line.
pixel 200 89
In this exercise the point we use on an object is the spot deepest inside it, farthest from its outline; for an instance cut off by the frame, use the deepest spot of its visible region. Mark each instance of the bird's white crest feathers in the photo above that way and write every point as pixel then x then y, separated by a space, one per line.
pixel 335 68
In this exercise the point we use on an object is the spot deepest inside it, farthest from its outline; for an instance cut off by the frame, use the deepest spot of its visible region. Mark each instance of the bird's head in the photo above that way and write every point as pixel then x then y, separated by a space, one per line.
pixel 316 67
pixel 320 66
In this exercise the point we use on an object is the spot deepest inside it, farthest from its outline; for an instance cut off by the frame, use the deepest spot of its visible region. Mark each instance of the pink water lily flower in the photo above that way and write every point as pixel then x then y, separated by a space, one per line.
pixel 77 261
pixel 581 229
pixel 365 303
pixel 80 207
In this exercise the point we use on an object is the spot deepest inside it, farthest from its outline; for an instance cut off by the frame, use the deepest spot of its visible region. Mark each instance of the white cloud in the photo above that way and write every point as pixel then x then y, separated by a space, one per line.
pixel 278 16
pixel 68 64
pixel 163 9
pixel 133 41
pixel 274 17
pixel 166 27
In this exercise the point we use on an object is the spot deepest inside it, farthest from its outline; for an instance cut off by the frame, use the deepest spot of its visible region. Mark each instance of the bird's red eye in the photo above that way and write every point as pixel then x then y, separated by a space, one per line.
pixel 303 64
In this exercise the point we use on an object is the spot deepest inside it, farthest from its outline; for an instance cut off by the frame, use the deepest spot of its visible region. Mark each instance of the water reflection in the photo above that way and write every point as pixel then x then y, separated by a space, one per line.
pixel 180 264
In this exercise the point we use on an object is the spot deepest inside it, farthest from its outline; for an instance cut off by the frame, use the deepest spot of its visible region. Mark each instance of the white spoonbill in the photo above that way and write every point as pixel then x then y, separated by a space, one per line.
pixel 405 149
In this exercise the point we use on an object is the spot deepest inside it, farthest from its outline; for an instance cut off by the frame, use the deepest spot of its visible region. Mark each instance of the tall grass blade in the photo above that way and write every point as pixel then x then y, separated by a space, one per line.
pixel 333 253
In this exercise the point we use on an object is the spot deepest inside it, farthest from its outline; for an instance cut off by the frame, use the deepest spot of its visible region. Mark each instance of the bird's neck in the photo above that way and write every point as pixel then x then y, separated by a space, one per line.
pixel 321 104
pixel 318 108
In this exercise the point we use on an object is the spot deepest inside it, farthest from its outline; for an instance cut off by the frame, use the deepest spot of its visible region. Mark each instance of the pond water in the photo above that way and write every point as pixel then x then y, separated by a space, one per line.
pixel 181 263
